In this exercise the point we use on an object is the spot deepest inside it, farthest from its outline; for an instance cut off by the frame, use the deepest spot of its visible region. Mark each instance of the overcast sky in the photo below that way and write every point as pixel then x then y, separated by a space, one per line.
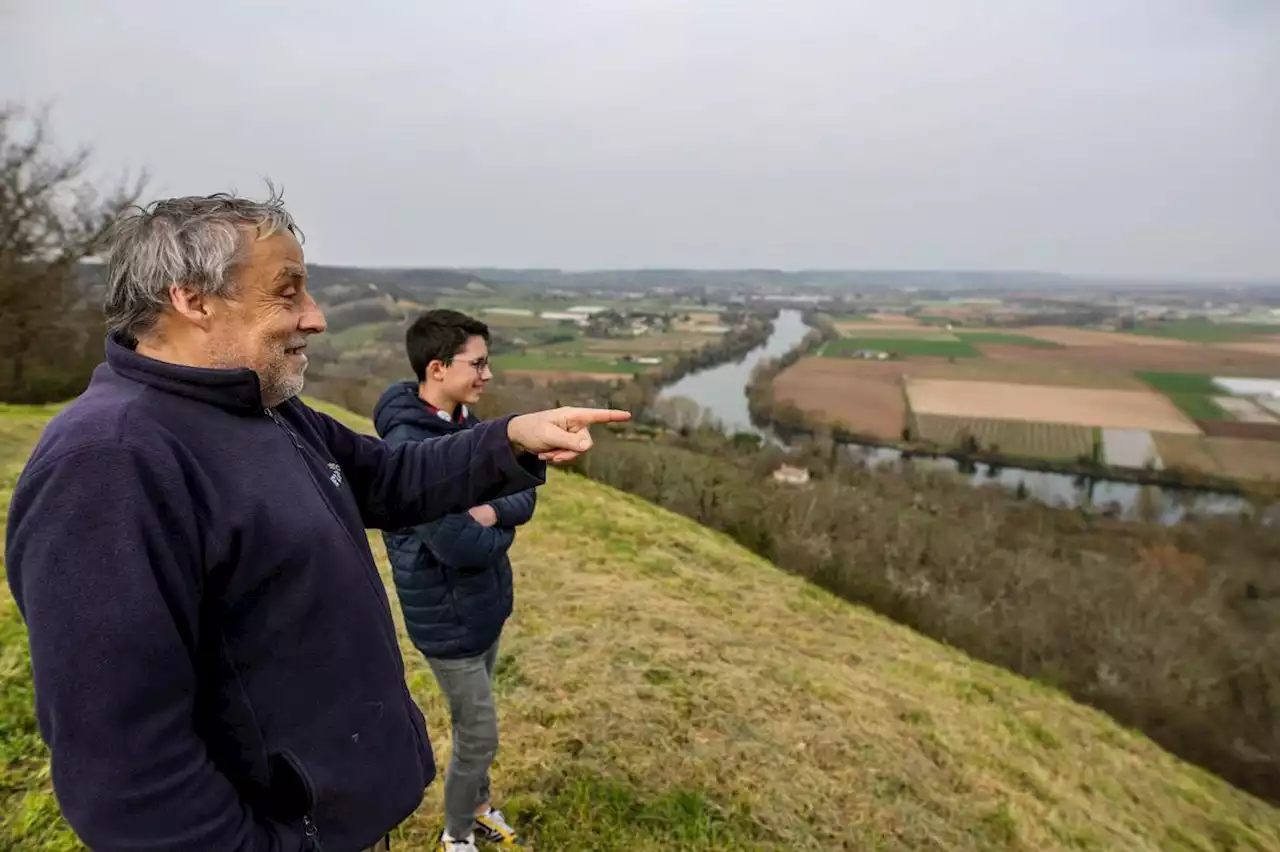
pixel 1092 136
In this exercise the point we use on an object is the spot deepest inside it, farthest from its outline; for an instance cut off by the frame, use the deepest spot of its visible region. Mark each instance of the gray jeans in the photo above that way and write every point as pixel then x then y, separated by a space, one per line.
pixel 467 684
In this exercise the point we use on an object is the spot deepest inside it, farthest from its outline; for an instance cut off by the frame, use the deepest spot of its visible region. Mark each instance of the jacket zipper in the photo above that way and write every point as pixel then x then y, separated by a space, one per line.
pixel 395 649
pixel 309 828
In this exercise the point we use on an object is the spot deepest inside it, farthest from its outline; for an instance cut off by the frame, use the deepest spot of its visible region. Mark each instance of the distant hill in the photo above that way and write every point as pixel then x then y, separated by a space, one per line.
pixel 663 689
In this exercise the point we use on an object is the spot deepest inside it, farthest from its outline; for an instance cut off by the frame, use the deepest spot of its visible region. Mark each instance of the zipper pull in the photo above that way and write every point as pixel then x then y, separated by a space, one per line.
pixel 310 830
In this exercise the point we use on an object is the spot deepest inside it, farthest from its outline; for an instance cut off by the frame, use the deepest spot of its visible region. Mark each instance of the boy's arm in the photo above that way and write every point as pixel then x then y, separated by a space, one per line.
pixel 515 509
pixel 459 542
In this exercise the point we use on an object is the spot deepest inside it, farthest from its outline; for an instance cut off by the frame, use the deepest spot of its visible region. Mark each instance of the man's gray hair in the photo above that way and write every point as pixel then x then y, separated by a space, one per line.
pixel 194 241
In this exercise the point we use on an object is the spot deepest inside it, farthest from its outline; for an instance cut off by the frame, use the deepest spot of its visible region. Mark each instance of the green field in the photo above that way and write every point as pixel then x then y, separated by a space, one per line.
pixel 1184 383
pixel 1205 331
pixel 1005 338
pixel 1192 393
pixel 1032 440
pixel 900 347
pixel 661 688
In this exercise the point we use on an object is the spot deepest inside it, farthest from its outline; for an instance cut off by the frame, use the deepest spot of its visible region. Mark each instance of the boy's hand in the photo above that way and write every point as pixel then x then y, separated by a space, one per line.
pixel 484 515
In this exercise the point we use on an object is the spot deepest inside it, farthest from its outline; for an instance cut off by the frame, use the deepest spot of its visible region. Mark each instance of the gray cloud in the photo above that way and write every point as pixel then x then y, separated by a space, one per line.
pixel 1114 136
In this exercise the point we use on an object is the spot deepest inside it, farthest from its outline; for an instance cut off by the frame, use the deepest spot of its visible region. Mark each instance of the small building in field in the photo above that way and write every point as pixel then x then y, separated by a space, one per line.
pixel 791 475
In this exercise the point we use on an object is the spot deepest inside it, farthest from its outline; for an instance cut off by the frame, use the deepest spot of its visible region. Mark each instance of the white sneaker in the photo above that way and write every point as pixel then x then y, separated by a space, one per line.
pixel 448 844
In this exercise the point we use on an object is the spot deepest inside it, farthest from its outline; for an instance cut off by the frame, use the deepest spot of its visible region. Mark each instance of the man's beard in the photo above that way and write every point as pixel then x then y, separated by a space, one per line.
pixel 278 380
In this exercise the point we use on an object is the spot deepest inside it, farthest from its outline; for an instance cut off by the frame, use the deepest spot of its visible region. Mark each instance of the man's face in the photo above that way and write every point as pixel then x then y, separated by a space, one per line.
pixel 265 325
pixel 465 378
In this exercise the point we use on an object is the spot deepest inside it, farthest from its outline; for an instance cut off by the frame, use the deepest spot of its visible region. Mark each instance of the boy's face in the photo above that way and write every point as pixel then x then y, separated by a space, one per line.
pixel 464 379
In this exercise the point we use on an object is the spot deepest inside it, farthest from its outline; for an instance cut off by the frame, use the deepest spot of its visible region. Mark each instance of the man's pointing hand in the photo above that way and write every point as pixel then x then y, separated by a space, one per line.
pixel 561 434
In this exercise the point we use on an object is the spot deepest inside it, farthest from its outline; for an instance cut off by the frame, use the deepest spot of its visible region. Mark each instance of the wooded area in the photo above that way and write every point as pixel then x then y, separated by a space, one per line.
pixel 52 218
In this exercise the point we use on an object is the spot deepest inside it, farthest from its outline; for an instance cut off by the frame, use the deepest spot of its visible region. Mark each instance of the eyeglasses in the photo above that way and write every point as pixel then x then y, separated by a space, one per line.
pixel 479 365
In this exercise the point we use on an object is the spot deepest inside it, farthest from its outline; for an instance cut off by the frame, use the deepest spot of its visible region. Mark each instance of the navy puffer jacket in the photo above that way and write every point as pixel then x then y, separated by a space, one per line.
pixel 452 576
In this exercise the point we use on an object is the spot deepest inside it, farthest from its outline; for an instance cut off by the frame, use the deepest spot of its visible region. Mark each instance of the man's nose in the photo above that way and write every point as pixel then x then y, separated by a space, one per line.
pixel 312 319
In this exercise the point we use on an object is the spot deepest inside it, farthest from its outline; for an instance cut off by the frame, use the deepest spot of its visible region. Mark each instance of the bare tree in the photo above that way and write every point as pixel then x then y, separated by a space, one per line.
pixel 51 219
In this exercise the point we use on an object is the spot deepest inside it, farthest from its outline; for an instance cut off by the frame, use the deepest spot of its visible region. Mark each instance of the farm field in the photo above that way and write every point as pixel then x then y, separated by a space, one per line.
pixel 1243 458
pixel 1238 458
pixel 532 362
pixel 1079 337
pixel 546 377
pixel 977 369
pixel 1185 451
pixel 895 332
pixel 1264 346
pixel 1115 409
pixel 1244 409
pixel 1129 448
pixel 1240 429
pixel 870 403
pixel 1034 440
pixel 676 341
pixel 1204 331
pixel 1143 394
pixel 900 346
pixel 1007 338
pixel 1170 356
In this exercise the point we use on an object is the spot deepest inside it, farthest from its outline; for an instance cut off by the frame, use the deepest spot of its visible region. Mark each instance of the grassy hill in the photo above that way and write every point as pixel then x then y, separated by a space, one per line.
pixel 661 688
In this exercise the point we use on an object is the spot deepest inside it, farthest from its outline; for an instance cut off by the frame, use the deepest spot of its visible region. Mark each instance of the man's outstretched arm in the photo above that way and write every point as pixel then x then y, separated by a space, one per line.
pixel 417 482
pixel 102 562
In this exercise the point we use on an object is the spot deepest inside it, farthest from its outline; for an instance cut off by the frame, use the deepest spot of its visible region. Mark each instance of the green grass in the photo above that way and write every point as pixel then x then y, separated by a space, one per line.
pixel 1206 331
pixel 1004 338
pixel 901 347
pixel 660 688
pixel 1192 393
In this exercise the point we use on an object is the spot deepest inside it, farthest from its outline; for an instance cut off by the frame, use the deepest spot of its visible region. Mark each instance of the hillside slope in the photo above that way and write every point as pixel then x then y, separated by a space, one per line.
pixel 661 688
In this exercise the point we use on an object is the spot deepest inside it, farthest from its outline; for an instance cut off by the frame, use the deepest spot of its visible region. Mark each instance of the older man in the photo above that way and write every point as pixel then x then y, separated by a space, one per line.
pixel 216 666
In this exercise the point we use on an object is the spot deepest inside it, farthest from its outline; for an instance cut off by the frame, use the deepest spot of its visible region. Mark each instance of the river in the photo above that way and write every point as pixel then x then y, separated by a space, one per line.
pixel 722 391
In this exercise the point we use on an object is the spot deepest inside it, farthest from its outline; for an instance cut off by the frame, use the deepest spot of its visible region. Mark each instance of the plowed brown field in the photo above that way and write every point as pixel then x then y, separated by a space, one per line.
pixel 868 402
pixel 1180 358
pixel 1115 409
pixel 1085 337
pixel 1266 346
pixel 978 370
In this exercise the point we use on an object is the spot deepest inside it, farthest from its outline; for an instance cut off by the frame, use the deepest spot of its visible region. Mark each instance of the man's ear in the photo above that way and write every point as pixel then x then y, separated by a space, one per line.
pixel 190 304
pixel 435 370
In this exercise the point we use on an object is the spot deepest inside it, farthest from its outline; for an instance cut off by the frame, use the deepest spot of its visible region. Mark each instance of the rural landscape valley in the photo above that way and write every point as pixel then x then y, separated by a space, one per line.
pixel 907 377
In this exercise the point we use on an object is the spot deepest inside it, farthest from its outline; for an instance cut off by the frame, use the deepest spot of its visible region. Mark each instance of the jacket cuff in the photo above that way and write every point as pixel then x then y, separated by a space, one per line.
pixel 524 469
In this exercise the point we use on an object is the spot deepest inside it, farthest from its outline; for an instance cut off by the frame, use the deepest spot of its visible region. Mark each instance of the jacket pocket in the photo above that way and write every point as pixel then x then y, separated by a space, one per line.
pixel 293 791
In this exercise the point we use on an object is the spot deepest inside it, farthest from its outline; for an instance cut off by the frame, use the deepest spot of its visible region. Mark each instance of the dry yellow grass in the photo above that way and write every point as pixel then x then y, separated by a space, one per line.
pixel 662 689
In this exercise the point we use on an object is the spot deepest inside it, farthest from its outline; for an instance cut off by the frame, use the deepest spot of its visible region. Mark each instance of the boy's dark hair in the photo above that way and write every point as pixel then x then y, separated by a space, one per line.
pixel 438 335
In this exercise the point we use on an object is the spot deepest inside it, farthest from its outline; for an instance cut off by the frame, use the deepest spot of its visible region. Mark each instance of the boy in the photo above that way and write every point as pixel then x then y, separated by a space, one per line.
pixel 452 576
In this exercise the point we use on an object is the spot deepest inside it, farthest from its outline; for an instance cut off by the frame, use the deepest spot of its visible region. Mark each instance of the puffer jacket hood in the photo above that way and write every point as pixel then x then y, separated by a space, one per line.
pixel 400 405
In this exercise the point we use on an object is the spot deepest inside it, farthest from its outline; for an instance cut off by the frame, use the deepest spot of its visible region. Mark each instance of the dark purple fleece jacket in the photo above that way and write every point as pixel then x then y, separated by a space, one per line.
pixel 216 667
